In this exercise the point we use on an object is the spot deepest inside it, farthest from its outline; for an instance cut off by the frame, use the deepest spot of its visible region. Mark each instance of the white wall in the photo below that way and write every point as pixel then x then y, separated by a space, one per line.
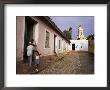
pixel 78 44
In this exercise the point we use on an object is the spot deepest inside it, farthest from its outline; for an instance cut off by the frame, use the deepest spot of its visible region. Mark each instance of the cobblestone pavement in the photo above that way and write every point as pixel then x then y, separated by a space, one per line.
pixel 73 63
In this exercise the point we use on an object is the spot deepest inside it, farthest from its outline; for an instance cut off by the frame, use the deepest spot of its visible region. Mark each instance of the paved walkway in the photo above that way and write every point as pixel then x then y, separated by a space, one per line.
pixel 73 63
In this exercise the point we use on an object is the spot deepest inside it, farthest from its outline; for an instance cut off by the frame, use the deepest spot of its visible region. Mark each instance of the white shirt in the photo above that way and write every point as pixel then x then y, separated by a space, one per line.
pixel 37 57
pixel 30 48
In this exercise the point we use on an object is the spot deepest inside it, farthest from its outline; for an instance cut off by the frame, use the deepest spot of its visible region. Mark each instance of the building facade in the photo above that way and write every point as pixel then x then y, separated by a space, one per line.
pixel 78 45
pixel 91 44
pixel 43 31
pixel 81 44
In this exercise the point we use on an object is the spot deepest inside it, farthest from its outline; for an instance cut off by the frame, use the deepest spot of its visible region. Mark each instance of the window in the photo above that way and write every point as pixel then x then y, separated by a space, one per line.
pixel 47 40
pixel 59 44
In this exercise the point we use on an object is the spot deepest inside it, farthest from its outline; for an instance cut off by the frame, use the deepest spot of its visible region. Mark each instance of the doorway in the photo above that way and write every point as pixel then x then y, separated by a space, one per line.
pixel 29 24
pixel 73 46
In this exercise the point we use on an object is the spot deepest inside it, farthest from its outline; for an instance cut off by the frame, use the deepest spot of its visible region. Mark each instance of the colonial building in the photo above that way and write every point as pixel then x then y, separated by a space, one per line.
pixel 81 44
pixel 43 31
pixel 80 33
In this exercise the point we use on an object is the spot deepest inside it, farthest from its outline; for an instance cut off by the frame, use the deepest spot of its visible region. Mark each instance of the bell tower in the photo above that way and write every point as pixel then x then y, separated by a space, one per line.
pixel 80 33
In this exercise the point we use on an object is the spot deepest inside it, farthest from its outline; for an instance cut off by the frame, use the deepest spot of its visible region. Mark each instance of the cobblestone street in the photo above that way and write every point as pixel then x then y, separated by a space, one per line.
pixel 72 63
pixel 45 46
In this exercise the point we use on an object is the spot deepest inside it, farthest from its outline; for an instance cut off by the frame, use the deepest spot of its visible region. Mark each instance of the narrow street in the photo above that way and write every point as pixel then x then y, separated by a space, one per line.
pixel 72 63
pixel 60 51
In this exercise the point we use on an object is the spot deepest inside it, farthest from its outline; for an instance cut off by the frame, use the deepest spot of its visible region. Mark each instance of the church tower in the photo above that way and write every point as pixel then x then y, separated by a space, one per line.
pixel 80 33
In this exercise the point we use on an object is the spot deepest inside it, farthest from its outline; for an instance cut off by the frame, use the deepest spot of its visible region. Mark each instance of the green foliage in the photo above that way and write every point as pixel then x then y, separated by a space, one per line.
pixel 91 37
pixel 68 33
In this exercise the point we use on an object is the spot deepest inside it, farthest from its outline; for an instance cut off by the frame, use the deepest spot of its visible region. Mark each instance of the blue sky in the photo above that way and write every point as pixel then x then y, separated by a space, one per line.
pixel 63 22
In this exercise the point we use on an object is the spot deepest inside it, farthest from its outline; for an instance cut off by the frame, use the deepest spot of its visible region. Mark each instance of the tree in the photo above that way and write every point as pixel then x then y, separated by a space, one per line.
pixel 91 37
pixel 68 33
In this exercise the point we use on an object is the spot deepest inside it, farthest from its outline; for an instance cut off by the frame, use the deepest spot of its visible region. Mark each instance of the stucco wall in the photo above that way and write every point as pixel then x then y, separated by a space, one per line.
pixel 20 28
pixel 80 45
pixel 39 36
pixel 40 31
pixel 91 46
